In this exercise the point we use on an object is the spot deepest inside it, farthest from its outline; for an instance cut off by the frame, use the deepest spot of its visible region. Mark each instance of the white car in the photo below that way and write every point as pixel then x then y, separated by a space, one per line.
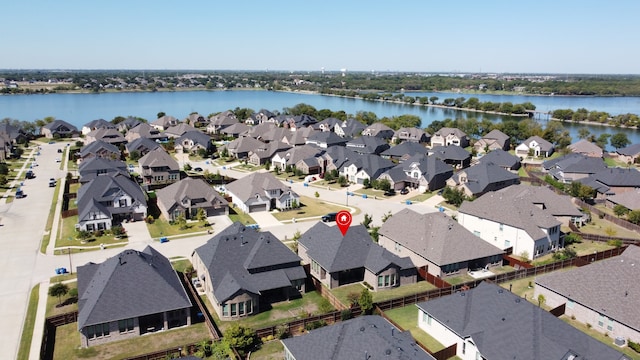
pixel 58 160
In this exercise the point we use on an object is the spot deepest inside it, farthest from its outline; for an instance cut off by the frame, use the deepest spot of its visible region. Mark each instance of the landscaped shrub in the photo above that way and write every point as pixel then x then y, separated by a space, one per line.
pixel 634 345
pixel 315 324
pixel 149 219
pixel 346 314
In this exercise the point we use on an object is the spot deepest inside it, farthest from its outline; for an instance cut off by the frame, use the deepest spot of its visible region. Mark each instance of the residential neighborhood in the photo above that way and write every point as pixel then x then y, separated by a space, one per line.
pixel 192 229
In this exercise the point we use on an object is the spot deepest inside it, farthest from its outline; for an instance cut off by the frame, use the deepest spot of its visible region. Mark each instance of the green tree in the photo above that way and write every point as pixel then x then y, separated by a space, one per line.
pixel 3 180
pixel 181 221
pixel 317 195
pixel 201 216
pixel 384 185
pixel 342 180
pixel 367 220
pixel 453 196
pixel 4 169
pixel 240 337
pixel 59 290
pixel 620 210
pixel 366 183
pixel 602 140
pixel 583 133
pixel 634 216
pixel 135 155
pixel 541 300
pixel 619 140
pixel 366 301
pixel 386 216
pixel 161 114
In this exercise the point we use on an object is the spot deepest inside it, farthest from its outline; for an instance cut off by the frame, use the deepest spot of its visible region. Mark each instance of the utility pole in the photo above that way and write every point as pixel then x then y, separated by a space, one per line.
pixel 70 265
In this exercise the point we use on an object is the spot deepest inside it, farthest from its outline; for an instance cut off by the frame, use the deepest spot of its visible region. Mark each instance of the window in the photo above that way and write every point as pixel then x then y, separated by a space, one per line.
pixel 249 306
pixel 387 280
pixel 501 227
pixel 476 233
pixel 122 203
pixel 225 310
pixel 97 331
pixel 610 324
pixel 241 308
pixel 233 310
pixel 380 280
pixel 125 325
pixel 464 347
pixel 601 320
pixel 315 267
pixel 429 319
pixel 398 247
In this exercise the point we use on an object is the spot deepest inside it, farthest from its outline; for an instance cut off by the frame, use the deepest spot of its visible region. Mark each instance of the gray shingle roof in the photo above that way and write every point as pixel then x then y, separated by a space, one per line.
pixel 351 127
pixel 544 144
pixel 483 175
pixel 628 199
pixel 445 131
pixel 98 145
pixel 99 123
pixel 193 190
pixel 612 177
pixel 131 284
pixel 584 146
pixel 368 145
pixel 295 154
pixel 334 252
pixel 436 237
pixel 224 118
pixel 451 152
pixel 255 183
pixel 501 158
pixel 365 337
pixel 498 135
pixel 326 137
pixel 235 129
pixel 141 144
pixel 406 148
pixel 92 167
pixel 631 150
pixel 239 258
pixel 55 124
pixel 607 286
pixel 576 164
pixel 430 166
pixel 371 164
pixel 505 327
pixel 158 158
pixel 180 129
pixel 521 206
pixel 198 137
pixel 244 144
pixel 106 188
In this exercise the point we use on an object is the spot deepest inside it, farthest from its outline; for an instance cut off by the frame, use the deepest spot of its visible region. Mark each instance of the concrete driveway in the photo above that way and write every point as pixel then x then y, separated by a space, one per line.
pixel 265 219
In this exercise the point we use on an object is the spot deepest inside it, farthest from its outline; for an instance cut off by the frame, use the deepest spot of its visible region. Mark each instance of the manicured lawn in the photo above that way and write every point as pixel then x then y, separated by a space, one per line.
pixel 600 336
pixel 69 233
pixel 47 238
pixel 272 350
pixel 342 293
pixel 161 227
pixel 281 312
pixel 69 304
pixel 247 167
pixel 311 207
pixel 332 185
pixel 407 318
pixel 521 287
pixel 180 265
pixel 602 227
pixel 29 324
pixel 238 215
pixel 422 197
pixel 586 247
pixel 68 342
pixel 522 172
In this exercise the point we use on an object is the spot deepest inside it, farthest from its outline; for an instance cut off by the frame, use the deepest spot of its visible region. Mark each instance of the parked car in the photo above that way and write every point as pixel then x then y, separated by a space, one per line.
pixel 30 174
pixel 404 191
pixel 390 193
pixel 329 217
pixel 198 169
pixel 20 194
pixel 52 182
pixel 58 160
pixel 59 151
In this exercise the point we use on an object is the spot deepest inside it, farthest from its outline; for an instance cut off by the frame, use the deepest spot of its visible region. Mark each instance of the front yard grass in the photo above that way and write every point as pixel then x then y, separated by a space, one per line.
pixel 238 215
pixel 161 227
pixel 68 343
pixel 407 318
pixel 47 238
pixel 282 312
pixel 68 235
pixel 29 324
pixel 309 208
pixel 422 197
pixel 332 185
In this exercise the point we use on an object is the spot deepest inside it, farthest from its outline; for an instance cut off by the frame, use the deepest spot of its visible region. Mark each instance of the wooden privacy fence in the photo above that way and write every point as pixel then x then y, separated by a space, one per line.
pixel 208 319
pixel 49 335
pixel 297 327
pixel 618 221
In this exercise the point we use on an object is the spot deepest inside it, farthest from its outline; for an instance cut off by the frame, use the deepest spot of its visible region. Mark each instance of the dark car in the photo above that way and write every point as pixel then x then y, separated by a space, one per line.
pixel 59 151
pixel 329 217
pixel 20 194
pixel 52 182
pixel 30 174
pixel 390 193
pixel 198 169
pixel 404 191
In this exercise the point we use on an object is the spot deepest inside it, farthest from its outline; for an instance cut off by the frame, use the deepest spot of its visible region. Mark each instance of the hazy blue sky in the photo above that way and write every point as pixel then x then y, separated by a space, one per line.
pixel 558 36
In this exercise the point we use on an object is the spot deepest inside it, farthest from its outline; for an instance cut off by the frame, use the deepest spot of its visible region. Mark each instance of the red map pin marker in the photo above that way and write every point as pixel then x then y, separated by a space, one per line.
pixel 343 219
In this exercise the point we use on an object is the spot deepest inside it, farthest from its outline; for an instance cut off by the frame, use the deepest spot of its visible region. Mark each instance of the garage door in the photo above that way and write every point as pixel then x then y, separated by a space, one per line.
pixel 215 212
pixel 261 207
pixel 360 181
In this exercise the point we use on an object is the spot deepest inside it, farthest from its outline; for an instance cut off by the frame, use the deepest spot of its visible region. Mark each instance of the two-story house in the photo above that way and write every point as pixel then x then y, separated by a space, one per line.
pixel 158 169
pixel 449 136
pixel 261 192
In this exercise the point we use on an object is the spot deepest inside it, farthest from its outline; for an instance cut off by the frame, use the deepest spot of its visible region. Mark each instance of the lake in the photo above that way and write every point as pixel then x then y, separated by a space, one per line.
pixel 79 109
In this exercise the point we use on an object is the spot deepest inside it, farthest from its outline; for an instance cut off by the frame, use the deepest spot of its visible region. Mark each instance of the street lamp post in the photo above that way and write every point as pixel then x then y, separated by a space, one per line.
pixel 70 266
pixel 347 203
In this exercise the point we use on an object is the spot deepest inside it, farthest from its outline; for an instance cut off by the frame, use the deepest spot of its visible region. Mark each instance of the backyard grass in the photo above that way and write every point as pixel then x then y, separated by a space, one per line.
pixel 586 247
pixel 284 311
pixel 272 350
pixel 311 207
pixel 237 215
pixel 68 343
pixel 342 292
pixel 521 288
pixel 599 226
pixel 47 238
pixel 161 227
pixel 180 265
pixel 69 304
pixel 407 318
pixel 607 340
pixel 29 324
pixel 69 232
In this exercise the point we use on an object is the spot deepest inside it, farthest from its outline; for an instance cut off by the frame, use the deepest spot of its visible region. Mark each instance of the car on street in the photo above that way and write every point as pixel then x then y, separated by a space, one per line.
pixel 30 174
pixel 390 193
pixel 58 160
pixel 59 151
pixel 329 217
pixel 20 194
pixel 404 191
pixel 52 182
pixel 198 169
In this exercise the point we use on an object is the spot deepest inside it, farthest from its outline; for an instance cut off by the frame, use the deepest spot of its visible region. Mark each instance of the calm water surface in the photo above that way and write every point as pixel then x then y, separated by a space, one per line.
pixel 79 109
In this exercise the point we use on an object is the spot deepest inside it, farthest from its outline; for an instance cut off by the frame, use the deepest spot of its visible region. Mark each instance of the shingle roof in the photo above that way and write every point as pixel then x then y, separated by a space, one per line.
pixel 584 146
pixel 482 175
pixel 544 144
pixel 98 145
pixel 55 124
pixel 505 327
pixel 351 127
pixel 501 158
pixel 92 167
pixel 244 144
pixel 180 129
pixel 376 128
pixel 99 123
pixel 141 143
pixel 368 145
pixel 628 199
pixel 198 137
pixel 524 207
pixel 631 150
pixel 611 177
pixel 190 189
pixel 131 284
pixel 446 131
pixel 255 183
pixel 238 258
pixel 606 286
pixel 334 252
pixel 106 188
pixel 576 163
pixel 157 158
pixel 373 165
pixel 429 166
pixel 498 135
pixel 450 152
pixel 408 147
pixel 368 337
pixel 235 128
pixel 224 118
pixel 326 137
pixel 436 237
